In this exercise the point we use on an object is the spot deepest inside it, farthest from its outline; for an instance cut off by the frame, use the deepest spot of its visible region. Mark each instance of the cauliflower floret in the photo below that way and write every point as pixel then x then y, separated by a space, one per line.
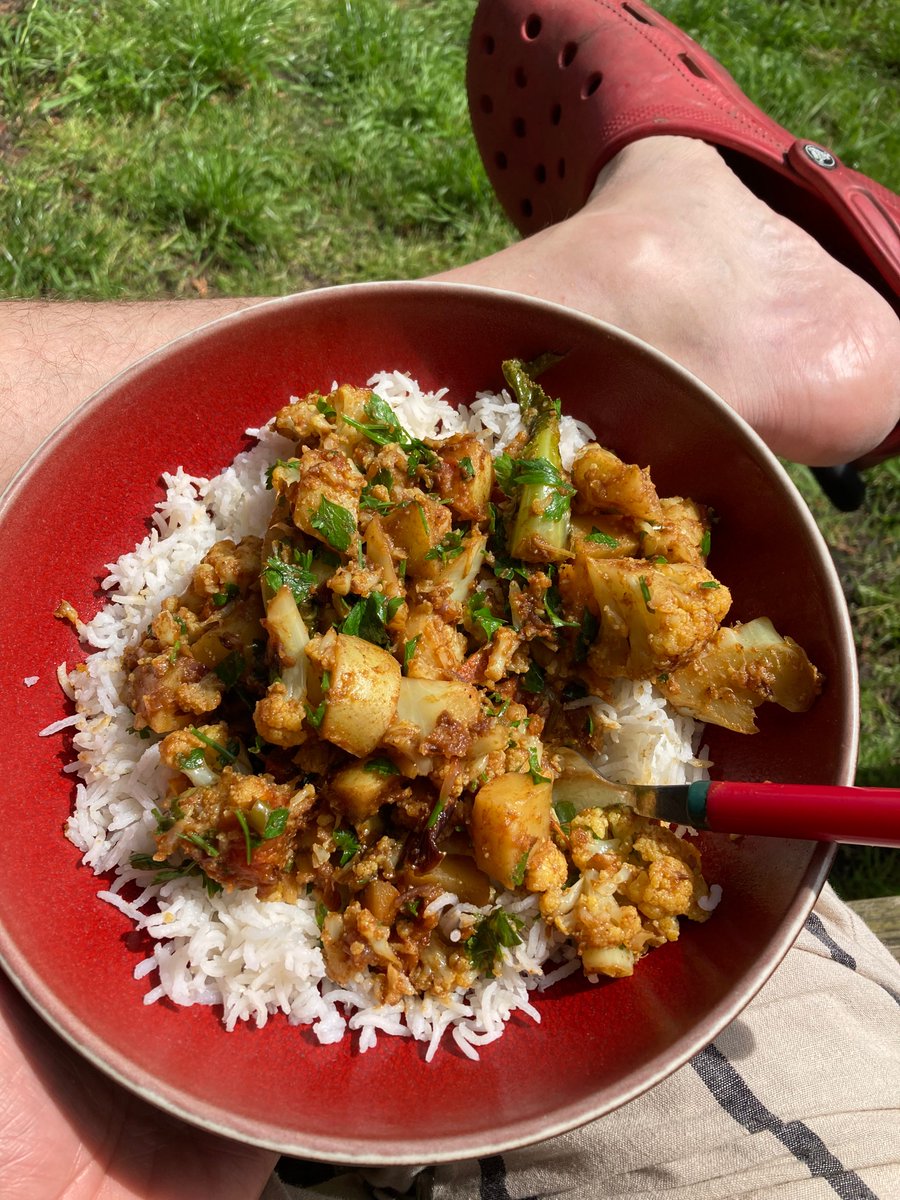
pixel 680 536
pixel 226 566
pixel 279 718
pixel 166 694
pixel 652 616
pixel 240 828
pixel 546 867
pixel 665 888
pixel 438 648
pixel 203 696
pixel 178 746
pixel 606 484
pixel 302 420
pixel 739 669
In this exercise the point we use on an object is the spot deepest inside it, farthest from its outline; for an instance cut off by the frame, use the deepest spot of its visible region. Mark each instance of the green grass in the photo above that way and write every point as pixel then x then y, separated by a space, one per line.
pixel 865 546
pixel 154 148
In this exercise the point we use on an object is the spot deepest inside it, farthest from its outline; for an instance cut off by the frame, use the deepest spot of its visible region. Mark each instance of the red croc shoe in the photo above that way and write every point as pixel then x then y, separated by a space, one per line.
pixel 558 87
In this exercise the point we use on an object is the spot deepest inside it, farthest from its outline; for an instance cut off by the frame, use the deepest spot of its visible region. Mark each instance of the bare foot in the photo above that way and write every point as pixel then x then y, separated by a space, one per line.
pixel 673 248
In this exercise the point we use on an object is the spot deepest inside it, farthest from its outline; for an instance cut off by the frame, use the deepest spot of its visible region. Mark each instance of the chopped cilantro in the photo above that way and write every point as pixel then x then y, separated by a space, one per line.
pixel 482 615
pixel 551 601
pixel 369 618
pixel 371 502
pixel 534 767
pixel 710 583
pixel 645 592
pixel 384 429
pixel 557 507
pixel 705 542
pixel 602 539
pixel 289 465
pixel 516 472
pixel 566 813
pixel 409 649
pixel 346 842
pixel 533 681
pixel 228 754
pixel 192 761
pixel 324 407
pixel 518 873
pixel 335 523
pixel 435 815
pixel 196 840
pixel 509 568
pixel 493 931
pixel 449 547
pixel 296 575
pixel 230 669
pixel 275 823
pixel 166 871
pixel 465 468
pixel 245 829
pixel 381 766
pixel 220 599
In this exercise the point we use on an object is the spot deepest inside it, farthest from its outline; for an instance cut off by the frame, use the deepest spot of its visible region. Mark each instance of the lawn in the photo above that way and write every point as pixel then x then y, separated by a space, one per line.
pixel 154 148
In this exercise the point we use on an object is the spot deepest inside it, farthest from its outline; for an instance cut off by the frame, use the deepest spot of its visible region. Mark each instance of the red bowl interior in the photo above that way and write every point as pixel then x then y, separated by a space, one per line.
pixel 85 498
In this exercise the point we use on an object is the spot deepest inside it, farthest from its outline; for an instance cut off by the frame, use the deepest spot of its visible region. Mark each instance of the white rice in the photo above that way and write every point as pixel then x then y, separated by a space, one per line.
pixel 258 959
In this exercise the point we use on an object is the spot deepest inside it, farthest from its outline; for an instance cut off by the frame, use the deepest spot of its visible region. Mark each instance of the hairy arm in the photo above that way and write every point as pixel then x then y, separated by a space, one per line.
pixel 69 1132
pixel 54 354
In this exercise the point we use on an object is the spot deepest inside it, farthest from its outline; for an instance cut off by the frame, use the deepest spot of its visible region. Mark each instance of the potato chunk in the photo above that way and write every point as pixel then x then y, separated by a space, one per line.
pixel 465 475
pixel 417 529
pixel 362 693
pixel 509 815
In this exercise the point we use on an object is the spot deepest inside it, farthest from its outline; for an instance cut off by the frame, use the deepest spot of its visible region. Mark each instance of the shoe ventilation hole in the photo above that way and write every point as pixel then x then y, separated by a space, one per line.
pixel 692 66
pixel 633 12
pixel 527 209
pixel 488 45
pixel 540 173
pixel 533 27
pixel 520 78
pixel 501 160
pixel 519 127
pixel 567 54
pixel 556 114
pixel 486 104
pixel 561 168
pixel 590 85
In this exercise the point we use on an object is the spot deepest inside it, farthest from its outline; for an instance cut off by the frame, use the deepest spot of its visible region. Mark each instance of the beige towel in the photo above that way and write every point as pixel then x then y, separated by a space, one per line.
pixel 797 1099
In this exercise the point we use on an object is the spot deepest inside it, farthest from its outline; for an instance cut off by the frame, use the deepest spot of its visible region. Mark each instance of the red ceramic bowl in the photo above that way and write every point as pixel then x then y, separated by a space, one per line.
pixel 84 499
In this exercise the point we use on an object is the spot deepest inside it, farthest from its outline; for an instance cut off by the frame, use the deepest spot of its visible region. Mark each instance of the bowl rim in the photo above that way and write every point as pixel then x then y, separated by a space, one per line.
pixel 527 1130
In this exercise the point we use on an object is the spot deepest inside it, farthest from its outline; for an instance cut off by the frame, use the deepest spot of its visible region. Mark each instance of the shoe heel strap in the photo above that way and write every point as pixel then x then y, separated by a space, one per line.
pixel 863 210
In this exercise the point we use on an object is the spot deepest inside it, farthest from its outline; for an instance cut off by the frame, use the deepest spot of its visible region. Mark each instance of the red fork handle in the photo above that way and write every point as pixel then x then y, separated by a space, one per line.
pixel 862 816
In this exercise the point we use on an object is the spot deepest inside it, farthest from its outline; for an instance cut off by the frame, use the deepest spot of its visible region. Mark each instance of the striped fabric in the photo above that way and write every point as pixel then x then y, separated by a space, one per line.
pixel 798 1099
